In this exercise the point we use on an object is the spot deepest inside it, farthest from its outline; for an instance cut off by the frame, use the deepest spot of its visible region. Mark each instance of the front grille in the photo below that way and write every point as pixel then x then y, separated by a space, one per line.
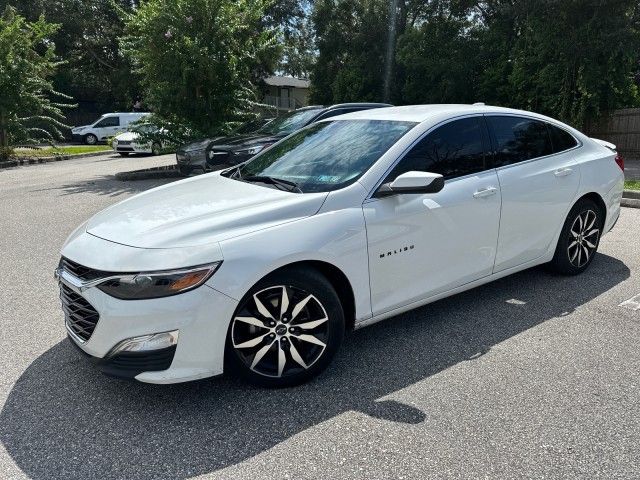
pixel 79 314
pixel 82 272
pixel 124 142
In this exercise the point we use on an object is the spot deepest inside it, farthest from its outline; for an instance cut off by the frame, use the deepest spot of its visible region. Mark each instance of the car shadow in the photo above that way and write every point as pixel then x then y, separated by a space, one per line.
pixel 64 420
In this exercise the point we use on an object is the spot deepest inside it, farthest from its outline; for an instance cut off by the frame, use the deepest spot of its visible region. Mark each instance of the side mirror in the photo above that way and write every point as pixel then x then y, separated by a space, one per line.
pixel 412 182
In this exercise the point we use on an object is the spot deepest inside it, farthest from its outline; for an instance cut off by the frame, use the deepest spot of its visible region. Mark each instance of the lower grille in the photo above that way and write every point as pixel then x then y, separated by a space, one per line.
pixel 130 364
pixel 79 314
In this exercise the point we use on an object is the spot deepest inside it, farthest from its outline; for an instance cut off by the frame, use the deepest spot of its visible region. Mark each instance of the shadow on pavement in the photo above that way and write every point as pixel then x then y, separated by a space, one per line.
pixel 110 185
pixel 64 420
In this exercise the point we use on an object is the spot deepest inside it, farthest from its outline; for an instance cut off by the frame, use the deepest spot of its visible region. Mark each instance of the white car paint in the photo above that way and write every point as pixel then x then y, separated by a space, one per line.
pixel 128 142
pixel 102 128
pixel 479 228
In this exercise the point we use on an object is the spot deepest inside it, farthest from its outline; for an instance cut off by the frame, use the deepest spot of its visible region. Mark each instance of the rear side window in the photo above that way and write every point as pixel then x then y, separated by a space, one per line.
pixel 519 139
pixel 561 140
pixel 453 150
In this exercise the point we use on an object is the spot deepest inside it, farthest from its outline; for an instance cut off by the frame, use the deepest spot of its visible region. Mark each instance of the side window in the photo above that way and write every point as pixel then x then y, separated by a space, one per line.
pixel 519 139
pixel 332 113
pixel 109 122
pixel 452 150
pixel 561 140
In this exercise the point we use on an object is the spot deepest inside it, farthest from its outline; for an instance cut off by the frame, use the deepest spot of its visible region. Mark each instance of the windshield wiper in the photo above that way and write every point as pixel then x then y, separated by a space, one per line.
pixel 288 185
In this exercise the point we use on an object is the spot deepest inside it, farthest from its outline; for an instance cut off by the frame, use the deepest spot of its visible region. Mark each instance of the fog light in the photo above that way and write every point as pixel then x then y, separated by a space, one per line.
pixel 155 341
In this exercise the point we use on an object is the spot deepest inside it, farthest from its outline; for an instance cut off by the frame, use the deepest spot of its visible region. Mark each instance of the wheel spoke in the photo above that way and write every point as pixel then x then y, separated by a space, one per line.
pixel 592 232
pixel 589 244
pixel 580 223
pixel 261 308
pixel 251 321
pixel 586 254
pixel 284 301
pixel 311 339
pixel 589 225
pixel 574 234
pixel 573 244
pixel 579 255
pixel 282 359
pixel 298 308
pixel 251 343
pixel 295 355
pixel 313 324
pixel 260 353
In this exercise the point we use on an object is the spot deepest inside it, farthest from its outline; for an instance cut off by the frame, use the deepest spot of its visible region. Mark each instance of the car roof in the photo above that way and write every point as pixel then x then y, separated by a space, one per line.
pixel 422 113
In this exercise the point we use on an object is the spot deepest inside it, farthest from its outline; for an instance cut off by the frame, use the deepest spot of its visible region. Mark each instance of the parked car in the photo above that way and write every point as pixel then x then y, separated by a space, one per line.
pixel 108 125
pixel 215 154
pixel 346 222
pixel 128 142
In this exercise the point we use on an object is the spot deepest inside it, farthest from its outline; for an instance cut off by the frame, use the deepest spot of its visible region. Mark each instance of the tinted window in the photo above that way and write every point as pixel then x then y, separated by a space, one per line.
pixel 288 123
pixel 328 155
pixel 453 150
pixel 519 139
pixel 561 140
pixel 109 122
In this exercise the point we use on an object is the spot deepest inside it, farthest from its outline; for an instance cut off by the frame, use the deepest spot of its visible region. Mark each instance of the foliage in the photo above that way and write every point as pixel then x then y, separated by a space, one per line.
pixel 200 60
pixel 27 62
pixel 632 184
pixel 96 71
pixel 570 59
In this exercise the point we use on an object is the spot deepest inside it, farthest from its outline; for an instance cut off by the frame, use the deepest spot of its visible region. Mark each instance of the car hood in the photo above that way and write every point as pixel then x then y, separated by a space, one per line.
pixel 198 211
pixel 127 137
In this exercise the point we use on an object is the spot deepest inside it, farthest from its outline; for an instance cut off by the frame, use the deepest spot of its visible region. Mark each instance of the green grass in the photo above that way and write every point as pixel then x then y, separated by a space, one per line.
pixel 49 151
pixel 632 185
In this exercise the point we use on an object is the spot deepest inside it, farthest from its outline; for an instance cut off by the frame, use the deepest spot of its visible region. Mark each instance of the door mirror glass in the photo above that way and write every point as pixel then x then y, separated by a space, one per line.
pixel 413 182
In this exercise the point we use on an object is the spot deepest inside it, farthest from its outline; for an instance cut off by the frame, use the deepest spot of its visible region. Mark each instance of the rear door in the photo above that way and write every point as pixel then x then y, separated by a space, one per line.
pixel 423 244
pixel 538 183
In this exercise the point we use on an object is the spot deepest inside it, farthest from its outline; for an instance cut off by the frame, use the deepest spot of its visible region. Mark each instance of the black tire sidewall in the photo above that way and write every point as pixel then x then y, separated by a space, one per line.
pixel 314 283
pixel 560 262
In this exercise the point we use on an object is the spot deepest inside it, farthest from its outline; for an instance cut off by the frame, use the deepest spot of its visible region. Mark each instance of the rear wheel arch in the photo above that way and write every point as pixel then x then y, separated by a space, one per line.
pixel 598 200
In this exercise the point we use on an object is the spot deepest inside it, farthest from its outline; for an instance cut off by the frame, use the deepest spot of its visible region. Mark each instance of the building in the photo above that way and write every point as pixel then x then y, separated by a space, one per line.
pixel 286 93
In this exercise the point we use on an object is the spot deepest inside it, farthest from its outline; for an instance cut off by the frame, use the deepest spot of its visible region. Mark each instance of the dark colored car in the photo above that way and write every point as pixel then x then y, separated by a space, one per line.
pixel 223 152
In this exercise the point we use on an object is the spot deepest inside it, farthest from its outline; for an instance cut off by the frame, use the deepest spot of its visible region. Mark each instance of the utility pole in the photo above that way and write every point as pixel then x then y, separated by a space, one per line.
pixel 391 47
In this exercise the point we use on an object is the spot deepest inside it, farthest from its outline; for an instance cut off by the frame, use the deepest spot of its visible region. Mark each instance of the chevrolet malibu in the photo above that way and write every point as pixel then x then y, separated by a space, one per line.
pixel 260 269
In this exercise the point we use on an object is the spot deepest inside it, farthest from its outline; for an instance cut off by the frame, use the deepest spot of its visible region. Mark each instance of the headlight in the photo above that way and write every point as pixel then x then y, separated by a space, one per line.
pixel 139 286
pixel 252 151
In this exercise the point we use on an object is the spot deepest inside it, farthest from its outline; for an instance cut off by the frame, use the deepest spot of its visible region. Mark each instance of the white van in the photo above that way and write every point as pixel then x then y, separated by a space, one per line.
pixel 108 125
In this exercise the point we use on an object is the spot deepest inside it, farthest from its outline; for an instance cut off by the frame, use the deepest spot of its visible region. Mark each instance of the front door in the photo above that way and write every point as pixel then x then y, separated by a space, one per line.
pixel 424 244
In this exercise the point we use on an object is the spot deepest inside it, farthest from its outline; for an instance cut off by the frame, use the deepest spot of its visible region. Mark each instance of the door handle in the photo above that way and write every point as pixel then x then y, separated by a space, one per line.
pixel 485 192
pixel 563 172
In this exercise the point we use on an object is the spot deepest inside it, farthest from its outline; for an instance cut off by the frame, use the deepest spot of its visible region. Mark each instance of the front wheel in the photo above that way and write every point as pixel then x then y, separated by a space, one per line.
pixel 579 238
pixel 90 139
pixel 286 329
pixel 155 149
pixel 124 154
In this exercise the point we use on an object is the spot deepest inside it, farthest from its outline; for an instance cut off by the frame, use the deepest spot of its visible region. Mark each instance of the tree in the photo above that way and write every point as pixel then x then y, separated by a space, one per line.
pixel 96 71
pixel 27 63
pixel 200 60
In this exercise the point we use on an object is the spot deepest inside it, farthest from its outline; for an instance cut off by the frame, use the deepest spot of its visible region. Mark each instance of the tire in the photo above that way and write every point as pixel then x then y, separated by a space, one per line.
pixel 155 148
pixel 184 171
pixel 579 238
pixel 90 139
pixel 124 154
pixel 279 341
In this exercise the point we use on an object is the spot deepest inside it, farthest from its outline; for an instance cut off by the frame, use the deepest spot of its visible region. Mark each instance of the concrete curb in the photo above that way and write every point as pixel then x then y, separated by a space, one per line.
pixel 16 162
pixel 168 171
pixel 635 194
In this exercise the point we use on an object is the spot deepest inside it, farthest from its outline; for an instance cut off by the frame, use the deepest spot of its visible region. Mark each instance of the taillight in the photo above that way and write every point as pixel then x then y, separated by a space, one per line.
pixel 620 161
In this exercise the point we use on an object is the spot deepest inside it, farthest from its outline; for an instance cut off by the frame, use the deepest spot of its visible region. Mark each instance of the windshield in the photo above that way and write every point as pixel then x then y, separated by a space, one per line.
pixel 327 155
pixel 290 122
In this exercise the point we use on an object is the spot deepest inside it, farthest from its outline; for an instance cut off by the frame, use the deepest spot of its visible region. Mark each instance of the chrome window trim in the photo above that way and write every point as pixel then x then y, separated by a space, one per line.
pixel 579 143
pixel 415 142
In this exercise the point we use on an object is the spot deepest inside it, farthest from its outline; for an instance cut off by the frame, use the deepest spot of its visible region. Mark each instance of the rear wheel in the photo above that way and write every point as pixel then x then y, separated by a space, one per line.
pixel 286 329
pixel 579 238
pixel 155 148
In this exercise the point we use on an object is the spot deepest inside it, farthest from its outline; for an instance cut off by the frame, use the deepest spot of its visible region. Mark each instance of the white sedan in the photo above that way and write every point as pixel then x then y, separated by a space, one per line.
pixel 129 142
pixel 260 269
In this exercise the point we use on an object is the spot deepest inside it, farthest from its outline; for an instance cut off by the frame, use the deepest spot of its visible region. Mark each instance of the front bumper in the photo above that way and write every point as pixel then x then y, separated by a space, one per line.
pixel 132 148
pixel 76 137
pixel 202 317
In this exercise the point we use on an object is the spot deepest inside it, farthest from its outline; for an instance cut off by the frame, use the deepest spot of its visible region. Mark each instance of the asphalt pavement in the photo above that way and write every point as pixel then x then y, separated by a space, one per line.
pixel 532 376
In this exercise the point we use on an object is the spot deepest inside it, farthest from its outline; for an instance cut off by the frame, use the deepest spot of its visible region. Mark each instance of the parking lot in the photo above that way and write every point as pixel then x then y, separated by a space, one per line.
pixel 532 376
